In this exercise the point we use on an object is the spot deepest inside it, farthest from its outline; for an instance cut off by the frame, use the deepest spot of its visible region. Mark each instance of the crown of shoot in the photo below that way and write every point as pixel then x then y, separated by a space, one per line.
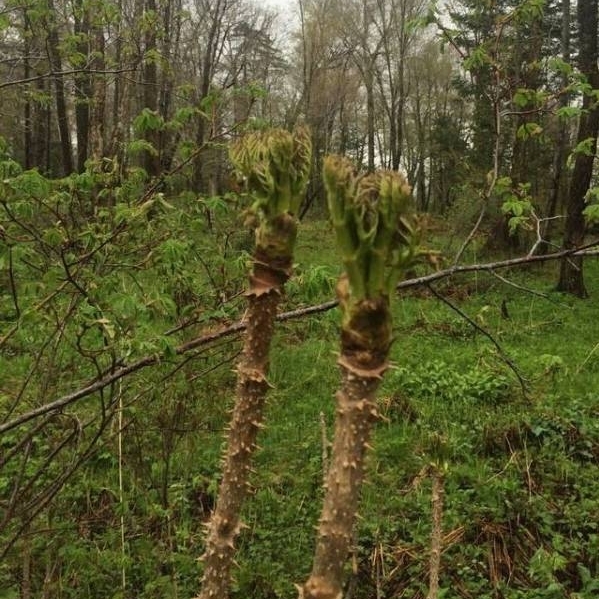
pixel 276 165
pixel 370 214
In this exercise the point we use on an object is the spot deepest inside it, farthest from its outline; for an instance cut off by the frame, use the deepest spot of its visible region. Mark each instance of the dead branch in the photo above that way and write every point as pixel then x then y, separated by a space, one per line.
pixel 238 327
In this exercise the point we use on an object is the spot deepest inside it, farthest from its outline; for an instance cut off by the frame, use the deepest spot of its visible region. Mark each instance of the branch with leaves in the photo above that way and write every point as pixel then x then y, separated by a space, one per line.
pixel 238 327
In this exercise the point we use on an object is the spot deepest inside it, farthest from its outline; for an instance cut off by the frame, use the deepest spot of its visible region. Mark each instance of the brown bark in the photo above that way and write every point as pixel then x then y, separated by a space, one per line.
pixel 365 341
pixel 571 279
pixel 437 493
pixel 559 179
pixel 82 86
pixel 59 89
pixel 151 90
pixel 245 424
pixel 209 62
pixel 266 286
pixel 28 128
pixel 98 106
pixel 26 570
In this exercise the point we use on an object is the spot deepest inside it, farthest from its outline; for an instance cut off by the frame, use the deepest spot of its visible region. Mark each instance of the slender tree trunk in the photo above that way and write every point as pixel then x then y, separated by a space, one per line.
pixel 27 132
pixel 241 443
pixel 571 277
pixel 151 91
pixel 26 569
pixel 559 157
pixel 370 133
pixel 82 85
pixel 208 66
pixel 98 106
pixel 59 87
pixel 40 134
pixel 171 49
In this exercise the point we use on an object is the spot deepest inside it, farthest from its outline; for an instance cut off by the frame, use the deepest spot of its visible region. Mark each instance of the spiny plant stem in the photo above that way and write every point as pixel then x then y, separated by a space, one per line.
pixel 437 492
pixel 276 166
pixel 245 424
pixel 376 243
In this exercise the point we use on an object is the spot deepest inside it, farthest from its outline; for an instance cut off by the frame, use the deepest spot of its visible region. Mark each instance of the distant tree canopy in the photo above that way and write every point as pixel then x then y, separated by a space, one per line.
pixel 443 97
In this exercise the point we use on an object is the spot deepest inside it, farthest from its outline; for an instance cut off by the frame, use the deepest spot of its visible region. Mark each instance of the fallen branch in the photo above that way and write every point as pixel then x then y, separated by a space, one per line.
pixel 238 327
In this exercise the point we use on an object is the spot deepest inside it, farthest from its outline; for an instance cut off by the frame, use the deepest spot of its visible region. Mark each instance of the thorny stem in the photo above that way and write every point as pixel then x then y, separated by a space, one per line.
pixel 374 239
pixel 276 165
pixel 437 493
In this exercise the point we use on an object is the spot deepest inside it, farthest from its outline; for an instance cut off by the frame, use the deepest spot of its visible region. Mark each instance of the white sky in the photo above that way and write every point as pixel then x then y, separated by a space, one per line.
pixel 281 4
pixel 287 15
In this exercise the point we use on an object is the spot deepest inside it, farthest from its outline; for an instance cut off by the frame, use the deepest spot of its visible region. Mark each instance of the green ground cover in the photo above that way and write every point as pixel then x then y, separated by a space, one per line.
pixel 520 463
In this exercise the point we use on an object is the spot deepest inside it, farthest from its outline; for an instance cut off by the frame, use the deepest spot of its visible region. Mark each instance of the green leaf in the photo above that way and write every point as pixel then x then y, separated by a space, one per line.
pixel 4 22
pixel 584 148
pixel 560 65
pixel 568 112
pixel 529 130
pixel 53 236
pixel 141 146
pixel 522 98
pixel 148 120
pixel 591 214
pixel 478 58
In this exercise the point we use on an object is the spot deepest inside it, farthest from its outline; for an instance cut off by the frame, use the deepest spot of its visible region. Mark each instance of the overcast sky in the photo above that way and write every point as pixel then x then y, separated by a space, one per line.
pixel 281 4
pixel 288 15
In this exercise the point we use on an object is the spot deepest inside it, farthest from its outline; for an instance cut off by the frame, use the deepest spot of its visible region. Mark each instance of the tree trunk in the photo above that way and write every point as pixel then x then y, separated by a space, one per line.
pixel 208 65
pixel 28 128
pixel 82 85
pixel 559 157
pixel 150 96
pixel 370 133
pixel 40 134
pixel 55 61
pixel 571 279
pixel 98 106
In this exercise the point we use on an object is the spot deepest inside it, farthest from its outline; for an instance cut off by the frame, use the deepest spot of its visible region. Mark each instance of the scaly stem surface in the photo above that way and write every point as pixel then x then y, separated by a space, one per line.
pixel 365 344
pixel 376 242
pixel 276 166
pixel 245 423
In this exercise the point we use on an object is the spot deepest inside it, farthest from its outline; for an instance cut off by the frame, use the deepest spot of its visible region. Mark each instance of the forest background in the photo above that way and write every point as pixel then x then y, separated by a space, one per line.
pixel 123 252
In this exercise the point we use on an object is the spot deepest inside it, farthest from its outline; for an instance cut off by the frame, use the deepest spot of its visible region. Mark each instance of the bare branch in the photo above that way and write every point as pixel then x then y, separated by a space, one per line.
pixel 484 332
pixel 68 72
pixel 525 289
pixel 239 326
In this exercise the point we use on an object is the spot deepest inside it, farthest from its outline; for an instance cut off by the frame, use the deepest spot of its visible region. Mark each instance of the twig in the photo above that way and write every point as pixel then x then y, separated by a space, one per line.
pixel 57 74
pixel 488 335
pixel 525 289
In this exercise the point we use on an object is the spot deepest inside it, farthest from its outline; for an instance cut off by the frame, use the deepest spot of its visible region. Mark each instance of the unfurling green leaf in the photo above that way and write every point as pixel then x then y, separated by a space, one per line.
pixel 371 217
pixel 276 165
pixel 148 120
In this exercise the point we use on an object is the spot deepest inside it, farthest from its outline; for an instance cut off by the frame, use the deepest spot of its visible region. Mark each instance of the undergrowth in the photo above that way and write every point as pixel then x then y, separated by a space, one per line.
pixel 518 427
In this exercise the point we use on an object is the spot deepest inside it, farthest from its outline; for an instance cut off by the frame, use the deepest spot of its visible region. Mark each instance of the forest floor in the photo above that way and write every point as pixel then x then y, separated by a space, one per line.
pixel 493 387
